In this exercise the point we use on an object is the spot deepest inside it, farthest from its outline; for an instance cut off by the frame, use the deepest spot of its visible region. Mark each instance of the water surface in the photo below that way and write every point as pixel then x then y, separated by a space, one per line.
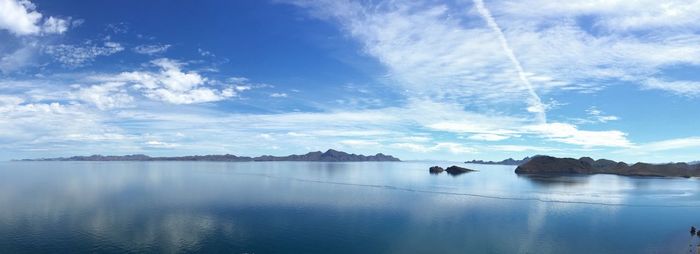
pixel 357 207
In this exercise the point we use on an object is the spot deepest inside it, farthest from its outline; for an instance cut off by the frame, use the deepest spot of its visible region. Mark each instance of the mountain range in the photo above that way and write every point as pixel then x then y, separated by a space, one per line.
pixel 329 156
pixel 509 161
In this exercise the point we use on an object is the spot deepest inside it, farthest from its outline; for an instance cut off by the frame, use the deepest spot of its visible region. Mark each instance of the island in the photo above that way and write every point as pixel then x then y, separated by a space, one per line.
pixel 586 165
pixel 452 170
pixel 509 161
pixel 328 156
pixel 436 170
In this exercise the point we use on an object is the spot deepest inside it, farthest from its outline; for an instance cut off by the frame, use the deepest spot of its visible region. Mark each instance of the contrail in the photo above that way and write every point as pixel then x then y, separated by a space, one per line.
pixel 535 102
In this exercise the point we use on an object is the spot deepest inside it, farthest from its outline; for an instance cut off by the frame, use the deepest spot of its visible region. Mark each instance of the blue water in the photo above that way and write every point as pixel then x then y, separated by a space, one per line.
pixel 357 207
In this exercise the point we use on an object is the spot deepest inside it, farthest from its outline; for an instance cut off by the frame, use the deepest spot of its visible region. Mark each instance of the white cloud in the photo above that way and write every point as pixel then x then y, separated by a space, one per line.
pixel 454 148
pixel 19 17
pixel 117 28
pixel 204 52
pixel 521 148
pixel 439 52
pixel 22 18
pixel 419 148
pixel 427 50
pixel 18 59
pixel 472 127
pixel 670 144
pixel 458 75
pixel 172 85
pixel 79 55
pixel 595 115
pixel 535 103
pixel 559 132
pixel 599 116
pixel 151 49
pixel 419 139
pixel 614 14
pixel 54 25
pixel 450 54
pixel 570 134
pixel 585 42
pixel 683 88
pixel 47 124
pixel 106 96
pixel 266 136
pixel 488 137
pixel 278 95
pixel 296 134
pixel 360 143
pixel 95 137
pixel 159 144
pixel 9 100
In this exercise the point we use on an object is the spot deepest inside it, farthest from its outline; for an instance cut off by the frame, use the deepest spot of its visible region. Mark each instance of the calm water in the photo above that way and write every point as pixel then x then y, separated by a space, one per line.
pixel 299 207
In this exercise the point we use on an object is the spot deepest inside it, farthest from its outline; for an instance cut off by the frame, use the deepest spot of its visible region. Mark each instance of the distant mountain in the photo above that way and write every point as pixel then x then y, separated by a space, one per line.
pixel 509 161
pixel 586 165
pixel 329 156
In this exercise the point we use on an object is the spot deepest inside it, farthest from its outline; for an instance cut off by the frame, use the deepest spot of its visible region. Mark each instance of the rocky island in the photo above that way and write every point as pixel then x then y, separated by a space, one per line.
pixel 586 165
pixel 327 156
pixel 452 170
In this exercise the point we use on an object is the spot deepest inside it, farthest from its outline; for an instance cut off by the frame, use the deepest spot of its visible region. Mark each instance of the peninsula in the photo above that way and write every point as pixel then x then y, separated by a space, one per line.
pixel 586 165
pixel 328 156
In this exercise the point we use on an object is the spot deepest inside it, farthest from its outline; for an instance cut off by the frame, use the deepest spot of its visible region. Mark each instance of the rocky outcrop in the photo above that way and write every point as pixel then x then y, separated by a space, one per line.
pixel 452 170
pixel 455 170
pixel 586 165
pixel 436 170
pixel 329 156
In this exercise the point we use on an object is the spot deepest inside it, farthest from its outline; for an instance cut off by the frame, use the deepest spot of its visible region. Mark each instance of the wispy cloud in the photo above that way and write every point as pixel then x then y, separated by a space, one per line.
pixel 535 102
pixel 451 147
pixel 79 55
pixel 595 115
pixel 570 134
pixel 682 88
pixel 151 49
pixel 614 15
pixel 19 58
pixel 430 52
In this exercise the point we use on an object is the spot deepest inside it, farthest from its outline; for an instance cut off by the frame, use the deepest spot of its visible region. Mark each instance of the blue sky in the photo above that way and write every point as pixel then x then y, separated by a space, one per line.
pixel 456 80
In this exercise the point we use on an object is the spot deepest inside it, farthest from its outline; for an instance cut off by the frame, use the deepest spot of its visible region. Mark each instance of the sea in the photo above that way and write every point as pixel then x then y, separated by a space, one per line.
pixel 336 207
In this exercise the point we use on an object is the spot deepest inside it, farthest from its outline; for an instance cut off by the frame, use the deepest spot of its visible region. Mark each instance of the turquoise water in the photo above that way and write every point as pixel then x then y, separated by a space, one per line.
pixel 357 207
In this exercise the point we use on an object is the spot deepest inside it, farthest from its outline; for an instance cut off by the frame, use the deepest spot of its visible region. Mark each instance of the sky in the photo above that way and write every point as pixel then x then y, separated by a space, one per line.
pixel 445 80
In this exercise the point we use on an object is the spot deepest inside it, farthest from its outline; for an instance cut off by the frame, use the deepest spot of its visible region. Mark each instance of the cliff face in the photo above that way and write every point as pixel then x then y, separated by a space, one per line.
pixel 586 165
